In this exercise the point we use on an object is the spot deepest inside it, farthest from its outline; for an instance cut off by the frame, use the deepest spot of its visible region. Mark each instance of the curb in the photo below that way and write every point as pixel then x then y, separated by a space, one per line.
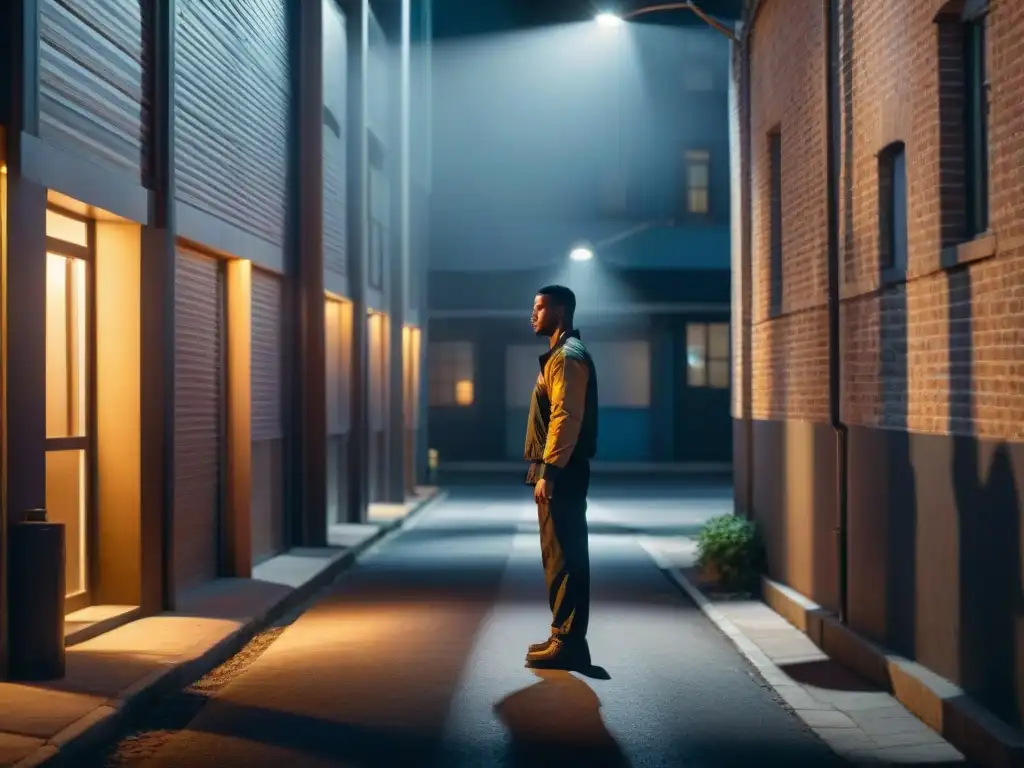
pixel 100 725
pixel 939 703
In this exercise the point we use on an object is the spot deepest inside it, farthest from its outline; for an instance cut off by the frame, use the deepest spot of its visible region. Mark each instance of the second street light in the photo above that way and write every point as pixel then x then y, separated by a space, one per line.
pixel 608 19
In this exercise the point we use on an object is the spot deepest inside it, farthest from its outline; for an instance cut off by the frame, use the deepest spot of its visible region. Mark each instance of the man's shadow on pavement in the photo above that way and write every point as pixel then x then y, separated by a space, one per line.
pixel 557 722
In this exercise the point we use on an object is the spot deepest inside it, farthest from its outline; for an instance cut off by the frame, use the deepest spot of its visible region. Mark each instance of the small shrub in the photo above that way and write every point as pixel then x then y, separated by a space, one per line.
pixel 730 549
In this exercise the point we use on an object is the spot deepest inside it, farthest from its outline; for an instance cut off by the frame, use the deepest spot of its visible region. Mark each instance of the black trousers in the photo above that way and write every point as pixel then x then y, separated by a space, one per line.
pixel 565 553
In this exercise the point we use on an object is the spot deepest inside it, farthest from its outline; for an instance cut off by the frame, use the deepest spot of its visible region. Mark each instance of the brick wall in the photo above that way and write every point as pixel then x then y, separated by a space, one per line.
pixel 940 352
pixel 788 94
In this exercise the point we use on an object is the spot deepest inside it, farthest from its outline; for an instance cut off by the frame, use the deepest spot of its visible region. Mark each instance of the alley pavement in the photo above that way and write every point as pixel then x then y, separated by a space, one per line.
pixel 415 658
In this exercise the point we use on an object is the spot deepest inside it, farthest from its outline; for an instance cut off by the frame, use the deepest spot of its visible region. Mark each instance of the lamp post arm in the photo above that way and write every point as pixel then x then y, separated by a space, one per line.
pixel 635 230
pixel 688 5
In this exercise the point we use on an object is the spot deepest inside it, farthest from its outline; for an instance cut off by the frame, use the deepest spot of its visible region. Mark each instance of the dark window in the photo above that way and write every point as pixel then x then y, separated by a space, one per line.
pixel 892 208
pixel 775 216
pixel 976 123
pixel 963 120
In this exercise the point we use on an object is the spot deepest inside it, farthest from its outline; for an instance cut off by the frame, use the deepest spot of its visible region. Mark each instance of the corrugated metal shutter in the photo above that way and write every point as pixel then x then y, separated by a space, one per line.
pixel 267 364
pixel 267 416
pixel 92 80
pixel 377 71
pixel 231 116
pixel 198 371
pixel 335 62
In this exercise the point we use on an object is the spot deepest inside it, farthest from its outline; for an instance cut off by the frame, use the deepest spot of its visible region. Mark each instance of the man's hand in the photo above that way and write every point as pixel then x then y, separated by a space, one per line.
pixel 542 491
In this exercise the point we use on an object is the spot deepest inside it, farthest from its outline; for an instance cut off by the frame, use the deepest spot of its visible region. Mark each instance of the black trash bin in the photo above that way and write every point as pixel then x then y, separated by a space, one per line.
pixel 36 598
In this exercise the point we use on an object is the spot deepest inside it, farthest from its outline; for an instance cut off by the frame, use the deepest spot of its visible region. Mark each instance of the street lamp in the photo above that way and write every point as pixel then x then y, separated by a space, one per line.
pixel 612 20
pixel 585 251
pixel 581 253
pixel 608 20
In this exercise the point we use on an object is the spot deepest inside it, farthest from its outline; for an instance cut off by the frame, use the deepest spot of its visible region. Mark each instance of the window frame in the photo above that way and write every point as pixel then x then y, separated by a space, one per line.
pixel 775 223
pixel 87 442
pixel 443 373
pixel 708 357
pixel 893 212
pixel 696 159
pixel 976 126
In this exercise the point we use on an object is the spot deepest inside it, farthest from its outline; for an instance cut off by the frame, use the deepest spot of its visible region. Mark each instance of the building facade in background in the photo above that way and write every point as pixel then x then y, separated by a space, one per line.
pixel 214 264
pixel 892 413
pixel 553 135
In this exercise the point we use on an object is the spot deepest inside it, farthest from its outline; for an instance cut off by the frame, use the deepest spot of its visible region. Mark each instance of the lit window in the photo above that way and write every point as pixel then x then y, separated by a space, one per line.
pixel 707 355
pixel 451 373
pixel 698 179
pixel 464 392
pixel 68 376
pixel 67 229
pixel 66 325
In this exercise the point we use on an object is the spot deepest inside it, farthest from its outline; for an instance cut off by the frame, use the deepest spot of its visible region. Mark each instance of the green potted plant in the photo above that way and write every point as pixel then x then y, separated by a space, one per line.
pixel 730 553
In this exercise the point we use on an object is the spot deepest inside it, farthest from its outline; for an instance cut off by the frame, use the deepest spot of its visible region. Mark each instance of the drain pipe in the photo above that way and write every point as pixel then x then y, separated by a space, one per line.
pixel 832 120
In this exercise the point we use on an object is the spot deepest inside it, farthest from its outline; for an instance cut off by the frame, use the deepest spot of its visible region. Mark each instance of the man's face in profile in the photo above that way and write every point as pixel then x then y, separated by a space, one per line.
pixel 545 317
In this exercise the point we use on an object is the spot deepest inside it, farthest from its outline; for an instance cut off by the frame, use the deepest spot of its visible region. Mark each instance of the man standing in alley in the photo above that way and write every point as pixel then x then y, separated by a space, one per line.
pixel 561 438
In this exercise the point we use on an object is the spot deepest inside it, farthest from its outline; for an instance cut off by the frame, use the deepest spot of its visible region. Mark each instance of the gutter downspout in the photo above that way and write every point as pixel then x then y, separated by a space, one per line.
pixel 834 138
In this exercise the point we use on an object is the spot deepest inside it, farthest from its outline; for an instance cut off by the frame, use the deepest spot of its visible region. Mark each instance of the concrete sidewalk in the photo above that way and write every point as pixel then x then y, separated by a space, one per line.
pixel 114 675
pixel 861 722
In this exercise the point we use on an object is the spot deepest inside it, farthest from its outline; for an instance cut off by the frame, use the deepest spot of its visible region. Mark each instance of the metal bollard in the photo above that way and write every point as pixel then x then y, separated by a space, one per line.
pixel 36 598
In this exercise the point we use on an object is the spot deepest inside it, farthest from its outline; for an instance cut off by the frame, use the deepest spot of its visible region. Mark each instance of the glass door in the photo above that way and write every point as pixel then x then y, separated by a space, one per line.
pixel 69 402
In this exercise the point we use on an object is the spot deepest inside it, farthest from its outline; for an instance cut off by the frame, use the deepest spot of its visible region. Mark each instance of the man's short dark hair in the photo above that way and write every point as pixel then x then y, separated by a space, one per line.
pixel 561 296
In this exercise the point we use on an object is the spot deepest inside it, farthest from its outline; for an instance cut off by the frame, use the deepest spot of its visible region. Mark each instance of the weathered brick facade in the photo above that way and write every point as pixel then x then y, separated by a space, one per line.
pixel 787 94
pixel 931 353
pixel 937 352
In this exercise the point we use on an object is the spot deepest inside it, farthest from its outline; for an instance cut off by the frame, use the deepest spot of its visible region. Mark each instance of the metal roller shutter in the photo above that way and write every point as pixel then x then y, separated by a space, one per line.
pixel 267 416
pixel 232 111
pixel 267 364
pixel 335 62
pixel 93 66
pixel 198 416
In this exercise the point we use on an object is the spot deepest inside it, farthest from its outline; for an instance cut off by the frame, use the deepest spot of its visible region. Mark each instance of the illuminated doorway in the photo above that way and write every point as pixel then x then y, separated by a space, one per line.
pixel 69 389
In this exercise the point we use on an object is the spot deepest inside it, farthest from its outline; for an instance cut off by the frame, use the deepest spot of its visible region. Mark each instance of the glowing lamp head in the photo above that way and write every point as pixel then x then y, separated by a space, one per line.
pixel 608 20
pixel 581 253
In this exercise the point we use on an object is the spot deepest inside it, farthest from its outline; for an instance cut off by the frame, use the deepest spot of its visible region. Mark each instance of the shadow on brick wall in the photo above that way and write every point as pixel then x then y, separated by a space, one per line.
pixel 988 516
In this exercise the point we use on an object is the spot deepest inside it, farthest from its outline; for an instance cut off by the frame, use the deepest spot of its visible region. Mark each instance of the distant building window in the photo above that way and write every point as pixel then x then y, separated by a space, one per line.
pixel 775 216
pixel 698 179
pixel 451 373
pixel 892 207
pixel 707 355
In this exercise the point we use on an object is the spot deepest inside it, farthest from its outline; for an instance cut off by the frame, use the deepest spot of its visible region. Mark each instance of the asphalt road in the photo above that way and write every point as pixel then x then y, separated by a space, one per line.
pixel 416 659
